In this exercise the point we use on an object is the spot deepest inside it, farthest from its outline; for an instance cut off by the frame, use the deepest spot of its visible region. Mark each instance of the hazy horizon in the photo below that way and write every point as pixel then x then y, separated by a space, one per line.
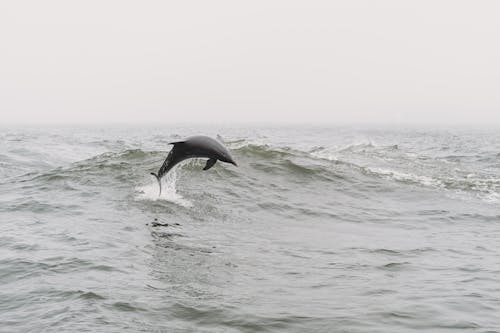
pixel 276 62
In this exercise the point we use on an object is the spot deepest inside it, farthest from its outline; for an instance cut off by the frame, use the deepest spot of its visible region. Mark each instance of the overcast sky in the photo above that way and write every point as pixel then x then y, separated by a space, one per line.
pixel 250 61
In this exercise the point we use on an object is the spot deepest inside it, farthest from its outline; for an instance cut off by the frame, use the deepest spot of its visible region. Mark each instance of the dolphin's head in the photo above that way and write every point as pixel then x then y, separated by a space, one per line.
pixel 225 156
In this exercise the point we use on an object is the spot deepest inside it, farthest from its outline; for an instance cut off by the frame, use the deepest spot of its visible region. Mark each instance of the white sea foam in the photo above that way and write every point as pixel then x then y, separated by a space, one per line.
pixel 405 177
pixel 492 197
pixel 325 155
pixel 168 193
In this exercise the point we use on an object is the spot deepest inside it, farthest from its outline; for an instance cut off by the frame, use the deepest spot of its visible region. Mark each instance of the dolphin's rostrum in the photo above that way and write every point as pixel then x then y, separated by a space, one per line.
pixel 193 147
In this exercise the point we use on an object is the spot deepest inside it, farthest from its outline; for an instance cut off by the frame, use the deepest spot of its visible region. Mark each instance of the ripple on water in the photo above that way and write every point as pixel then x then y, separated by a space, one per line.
pixel 21 268
pixel 90 295
pixel 395 266
pixel 127 307
pixel 227 318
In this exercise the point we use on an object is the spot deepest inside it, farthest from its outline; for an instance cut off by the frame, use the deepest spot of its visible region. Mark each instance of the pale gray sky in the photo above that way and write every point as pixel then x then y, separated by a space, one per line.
pixel 261 60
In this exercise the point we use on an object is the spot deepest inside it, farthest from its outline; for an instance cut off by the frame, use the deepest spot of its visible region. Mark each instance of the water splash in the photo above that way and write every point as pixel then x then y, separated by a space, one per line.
pixel 169 191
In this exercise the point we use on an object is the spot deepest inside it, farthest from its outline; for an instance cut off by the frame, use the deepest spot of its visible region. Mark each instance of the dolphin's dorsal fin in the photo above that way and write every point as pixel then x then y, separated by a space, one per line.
pixel 210 163
pixel 220 138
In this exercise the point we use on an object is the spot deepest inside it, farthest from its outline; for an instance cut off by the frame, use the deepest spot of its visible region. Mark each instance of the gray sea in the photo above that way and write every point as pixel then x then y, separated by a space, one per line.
pixel 339 229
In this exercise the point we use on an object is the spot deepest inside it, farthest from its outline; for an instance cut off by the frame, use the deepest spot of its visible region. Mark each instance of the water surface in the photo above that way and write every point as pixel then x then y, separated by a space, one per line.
pixel 318 230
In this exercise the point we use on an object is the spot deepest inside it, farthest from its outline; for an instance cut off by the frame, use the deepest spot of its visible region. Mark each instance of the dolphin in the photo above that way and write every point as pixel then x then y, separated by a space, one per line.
pixel 194 147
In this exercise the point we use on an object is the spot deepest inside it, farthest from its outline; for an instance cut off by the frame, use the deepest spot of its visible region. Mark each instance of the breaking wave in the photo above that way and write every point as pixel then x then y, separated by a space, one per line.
pixel 381 163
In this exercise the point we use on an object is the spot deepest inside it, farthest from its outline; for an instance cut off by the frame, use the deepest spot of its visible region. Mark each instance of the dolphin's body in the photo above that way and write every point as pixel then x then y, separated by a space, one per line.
pixel 194 147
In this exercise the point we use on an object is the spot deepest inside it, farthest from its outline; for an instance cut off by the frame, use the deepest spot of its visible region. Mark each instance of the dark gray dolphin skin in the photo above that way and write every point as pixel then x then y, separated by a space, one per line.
pixel 194 147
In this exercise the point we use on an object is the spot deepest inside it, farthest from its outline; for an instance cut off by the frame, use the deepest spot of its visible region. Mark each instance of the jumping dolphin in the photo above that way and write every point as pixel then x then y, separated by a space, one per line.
pixel 192 147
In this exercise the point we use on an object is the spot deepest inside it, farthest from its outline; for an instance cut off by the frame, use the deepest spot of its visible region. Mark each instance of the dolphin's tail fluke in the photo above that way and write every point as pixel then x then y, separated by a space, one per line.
pixel 159 181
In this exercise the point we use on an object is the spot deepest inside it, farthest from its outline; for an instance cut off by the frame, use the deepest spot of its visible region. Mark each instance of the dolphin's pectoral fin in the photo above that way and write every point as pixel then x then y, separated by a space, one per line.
pixel 210 163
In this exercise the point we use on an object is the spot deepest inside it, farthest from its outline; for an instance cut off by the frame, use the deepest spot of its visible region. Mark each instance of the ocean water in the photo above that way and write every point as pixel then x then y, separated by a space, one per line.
pixel 337 229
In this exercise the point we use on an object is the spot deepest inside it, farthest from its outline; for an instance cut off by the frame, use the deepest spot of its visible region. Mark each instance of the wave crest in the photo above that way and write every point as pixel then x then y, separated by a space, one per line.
pixel 353 162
